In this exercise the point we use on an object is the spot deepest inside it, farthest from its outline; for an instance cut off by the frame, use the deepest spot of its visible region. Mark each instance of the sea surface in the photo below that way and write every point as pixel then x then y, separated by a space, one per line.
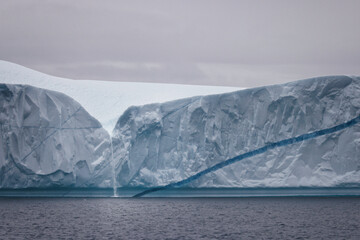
pixel 180 218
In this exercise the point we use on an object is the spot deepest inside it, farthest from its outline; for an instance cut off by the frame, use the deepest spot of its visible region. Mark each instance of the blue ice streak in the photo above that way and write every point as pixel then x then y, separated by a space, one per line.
pixel 255 152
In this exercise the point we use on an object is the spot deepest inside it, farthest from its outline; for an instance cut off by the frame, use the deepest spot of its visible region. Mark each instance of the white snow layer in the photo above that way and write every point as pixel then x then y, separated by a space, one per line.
pixel 105 100
pixel 158 144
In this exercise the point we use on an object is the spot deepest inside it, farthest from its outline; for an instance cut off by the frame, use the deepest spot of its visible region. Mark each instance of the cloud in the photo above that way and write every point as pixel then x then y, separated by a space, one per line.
pixel 130 71
pixel 91 39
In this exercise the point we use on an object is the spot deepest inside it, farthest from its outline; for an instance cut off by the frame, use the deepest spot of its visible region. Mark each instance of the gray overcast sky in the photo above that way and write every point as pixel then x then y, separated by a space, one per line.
pixel 233 43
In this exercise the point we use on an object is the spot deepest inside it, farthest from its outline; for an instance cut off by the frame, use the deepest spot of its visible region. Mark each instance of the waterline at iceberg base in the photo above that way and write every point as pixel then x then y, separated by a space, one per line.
pixel 50 144
pixel 183 192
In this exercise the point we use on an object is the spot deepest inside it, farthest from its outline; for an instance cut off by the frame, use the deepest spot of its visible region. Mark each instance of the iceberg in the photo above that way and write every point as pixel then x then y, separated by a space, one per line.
pixel 49 140
pixel 159 144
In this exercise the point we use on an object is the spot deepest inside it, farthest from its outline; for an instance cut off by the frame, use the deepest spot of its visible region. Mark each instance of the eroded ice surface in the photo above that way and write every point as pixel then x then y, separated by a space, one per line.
pixel 48 140
pixel 157 144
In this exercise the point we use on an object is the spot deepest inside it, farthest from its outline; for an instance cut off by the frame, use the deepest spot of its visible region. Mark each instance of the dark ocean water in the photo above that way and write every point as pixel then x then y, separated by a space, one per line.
pixel 180 218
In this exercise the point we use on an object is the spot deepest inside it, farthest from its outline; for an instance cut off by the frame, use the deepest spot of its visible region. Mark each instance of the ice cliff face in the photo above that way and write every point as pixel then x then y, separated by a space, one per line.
pixel 48 140
pixel 159 144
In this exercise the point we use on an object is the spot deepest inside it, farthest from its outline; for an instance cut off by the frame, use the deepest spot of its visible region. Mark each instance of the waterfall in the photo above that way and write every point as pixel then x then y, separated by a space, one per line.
pixel 113 168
